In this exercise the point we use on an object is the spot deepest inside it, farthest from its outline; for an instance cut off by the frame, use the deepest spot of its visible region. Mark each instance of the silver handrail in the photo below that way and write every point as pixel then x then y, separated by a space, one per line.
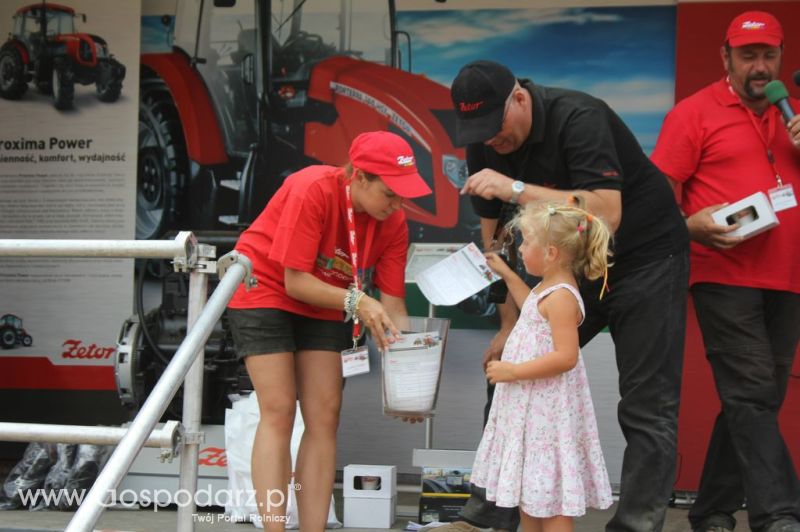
pixel 153 408
pixel 187 363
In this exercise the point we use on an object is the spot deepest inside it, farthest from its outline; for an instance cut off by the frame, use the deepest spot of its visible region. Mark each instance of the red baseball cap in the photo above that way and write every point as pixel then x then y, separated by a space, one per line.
pixel 389 157
pixel 754 27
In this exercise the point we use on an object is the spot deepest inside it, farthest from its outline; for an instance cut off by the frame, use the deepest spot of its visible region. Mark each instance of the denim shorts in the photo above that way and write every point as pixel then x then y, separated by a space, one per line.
pixel 262 331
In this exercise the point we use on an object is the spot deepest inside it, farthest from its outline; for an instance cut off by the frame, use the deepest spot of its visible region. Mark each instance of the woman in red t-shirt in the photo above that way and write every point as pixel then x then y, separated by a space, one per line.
pixel 289 329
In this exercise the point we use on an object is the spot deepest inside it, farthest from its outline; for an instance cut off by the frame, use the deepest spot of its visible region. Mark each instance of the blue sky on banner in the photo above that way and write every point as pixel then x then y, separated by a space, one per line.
pixel 624 55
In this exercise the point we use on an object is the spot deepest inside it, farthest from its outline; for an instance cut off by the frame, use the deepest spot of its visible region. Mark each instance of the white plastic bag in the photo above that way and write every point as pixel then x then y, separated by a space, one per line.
pixel 240 429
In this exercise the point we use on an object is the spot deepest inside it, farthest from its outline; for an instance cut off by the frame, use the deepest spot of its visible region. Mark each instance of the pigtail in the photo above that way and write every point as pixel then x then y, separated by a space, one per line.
pixel 598 238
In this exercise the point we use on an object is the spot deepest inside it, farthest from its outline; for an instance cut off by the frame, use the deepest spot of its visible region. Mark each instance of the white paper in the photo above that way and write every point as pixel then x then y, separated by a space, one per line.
pixel 411 372
pixel 423 255
pixel 457 277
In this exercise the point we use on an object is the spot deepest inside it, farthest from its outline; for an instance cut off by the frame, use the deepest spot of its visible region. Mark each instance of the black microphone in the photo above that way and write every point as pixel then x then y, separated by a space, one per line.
pixel 778 96
pixel 796 78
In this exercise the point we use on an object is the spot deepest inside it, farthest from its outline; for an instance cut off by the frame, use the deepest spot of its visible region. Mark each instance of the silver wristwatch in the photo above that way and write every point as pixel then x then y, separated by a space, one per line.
pixel 517 188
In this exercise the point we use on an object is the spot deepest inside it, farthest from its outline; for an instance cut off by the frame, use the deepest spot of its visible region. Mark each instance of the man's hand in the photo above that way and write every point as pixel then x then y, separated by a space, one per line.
pixel 794 131
pixel 499 371
pixel 495 349
pixel 704 230
pixel 489 184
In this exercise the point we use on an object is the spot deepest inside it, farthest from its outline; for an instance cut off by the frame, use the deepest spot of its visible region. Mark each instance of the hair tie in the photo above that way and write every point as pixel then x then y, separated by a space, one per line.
pixel 589 217
pixel 551 210
pixel 581 228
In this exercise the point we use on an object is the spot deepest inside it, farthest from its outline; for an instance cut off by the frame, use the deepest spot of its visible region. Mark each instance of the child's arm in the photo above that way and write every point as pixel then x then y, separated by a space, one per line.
pixel 517 288
pixel 562 311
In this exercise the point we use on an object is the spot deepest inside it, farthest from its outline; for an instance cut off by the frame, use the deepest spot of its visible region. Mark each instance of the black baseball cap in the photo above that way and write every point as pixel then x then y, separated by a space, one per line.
pixel 479 95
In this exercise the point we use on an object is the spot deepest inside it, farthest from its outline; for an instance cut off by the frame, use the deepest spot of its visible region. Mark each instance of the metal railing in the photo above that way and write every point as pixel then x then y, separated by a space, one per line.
pixel 186 366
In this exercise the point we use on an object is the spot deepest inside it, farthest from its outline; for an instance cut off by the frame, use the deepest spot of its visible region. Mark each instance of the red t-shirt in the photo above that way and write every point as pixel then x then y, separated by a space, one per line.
pixel 304 227
pixel 717 149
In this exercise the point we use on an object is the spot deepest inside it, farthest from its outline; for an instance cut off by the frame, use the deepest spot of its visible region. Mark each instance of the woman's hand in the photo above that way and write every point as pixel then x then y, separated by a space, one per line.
pixel 374 316
pixel 499 371
pixel 497 264
pixel 411 419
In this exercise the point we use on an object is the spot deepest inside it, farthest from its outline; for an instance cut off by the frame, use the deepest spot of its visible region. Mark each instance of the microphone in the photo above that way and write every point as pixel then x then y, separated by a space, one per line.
pixel 778 96
pixel 796 78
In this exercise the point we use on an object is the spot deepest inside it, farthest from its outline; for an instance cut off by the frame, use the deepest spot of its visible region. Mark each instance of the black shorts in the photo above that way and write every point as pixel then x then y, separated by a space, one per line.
pixel 261 331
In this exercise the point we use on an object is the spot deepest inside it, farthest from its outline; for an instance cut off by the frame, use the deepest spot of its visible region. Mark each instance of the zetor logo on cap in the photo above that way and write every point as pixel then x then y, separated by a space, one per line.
pixel 753 25
pixel 405 160
pixel 465 107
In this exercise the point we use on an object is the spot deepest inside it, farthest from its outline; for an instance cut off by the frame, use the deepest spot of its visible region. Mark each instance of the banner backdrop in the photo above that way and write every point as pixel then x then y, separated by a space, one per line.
pixel 67 171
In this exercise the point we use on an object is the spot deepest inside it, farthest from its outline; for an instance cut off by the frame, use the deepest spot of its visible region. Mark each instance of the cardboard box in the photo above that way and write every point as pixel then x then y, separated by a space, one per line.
pixel 370 496
pixel 439 508
pixel 369 513
pixel 445 485
pixel 754 214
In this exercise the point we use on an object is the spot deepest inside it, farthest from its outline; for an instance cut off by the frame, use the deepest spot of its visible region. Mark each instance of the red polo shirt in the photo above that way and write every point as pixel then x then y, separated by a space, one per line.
pixel 304 227
pixel 718 149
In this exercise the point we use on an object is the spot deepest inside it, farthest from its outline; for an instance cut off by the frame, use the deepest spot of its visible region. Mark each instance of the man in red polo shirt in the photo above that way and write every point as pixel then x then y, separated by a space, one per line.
pixel 722 144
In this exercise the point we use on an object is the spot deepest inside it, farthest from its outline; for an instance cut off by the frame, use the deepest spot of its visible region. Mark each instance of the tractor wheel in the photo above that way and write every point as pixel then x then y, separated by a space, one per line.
pixel 27 341
pixel 163 163
pixel 63 84
pixel 108 87
pixel 8 337
pixel 43 75
pixel 12 73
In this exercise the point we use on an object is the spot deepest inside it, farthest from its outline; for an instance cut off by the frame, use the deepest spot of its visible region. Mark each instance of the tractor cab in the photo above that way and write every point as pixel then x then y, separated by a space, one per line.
pixel 11 321
pixel 12 334
pixel 37 24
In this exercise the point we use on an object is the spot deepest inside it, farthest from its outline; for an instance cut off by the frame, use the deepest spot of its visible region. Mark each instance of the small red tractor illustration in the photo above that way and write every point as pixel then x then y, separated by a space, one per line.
pixel 44 48
pixel 12 333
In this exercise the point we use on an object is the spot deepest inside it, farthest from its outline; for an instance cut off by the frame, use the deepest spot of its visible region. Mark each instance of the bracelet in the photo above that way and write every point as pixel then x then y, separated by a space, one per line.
pixel 351 300
pixel 359 297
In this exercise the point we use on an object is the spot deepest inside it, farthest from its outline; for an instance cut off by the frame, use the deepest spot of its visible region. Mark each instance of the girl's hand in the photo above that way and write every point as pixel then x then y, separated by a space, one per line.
pixel 499 371
pixel 372 314
pixel 497 264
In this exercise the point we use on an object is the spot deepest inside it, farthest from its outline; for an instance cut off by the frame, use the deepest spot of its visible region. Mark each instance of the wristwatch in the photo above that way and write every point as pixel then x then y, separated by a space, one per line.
pixel 517 188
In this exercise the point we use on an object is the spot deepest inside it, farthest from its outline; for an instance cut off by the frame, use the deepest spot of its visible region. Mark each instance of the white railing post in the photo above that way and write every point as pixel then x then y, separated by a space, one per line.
pixel 193 399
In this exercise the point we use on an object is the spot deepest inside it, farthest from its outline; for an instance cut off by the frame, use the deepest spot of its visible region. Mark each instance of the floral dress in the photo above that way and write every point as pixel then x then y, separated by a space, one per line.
pixel 540 449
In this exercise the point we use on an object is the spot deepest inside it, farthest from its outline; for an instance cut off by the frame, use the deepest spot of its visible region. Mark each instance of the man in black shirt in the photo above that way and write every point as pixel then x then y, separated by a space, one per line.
pixel 527 142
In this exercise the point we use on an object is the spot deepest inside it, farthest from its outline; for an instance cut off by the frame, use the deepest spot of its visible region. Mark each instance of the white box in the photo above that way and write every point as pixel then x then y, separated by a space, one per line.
pixel 753 213
pixel 369 513
pixel 370 496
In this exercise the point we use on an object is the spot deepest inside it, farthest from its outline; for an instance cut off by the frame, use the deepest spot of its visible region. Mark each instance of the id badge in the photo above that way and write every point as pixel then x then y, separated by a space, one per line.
pixel 782 198
pixel 355 361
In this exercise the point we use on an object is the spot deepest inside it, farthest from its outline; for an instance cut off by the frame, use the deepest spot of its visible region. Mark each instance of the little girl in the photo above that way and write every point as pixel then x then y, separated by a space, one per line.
pixel 540 450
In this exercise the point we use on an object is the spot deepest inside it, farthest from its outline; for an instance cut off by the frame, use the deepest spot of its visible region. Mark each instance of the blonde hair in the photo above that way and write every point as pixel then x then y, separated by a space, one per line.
pixel 570 228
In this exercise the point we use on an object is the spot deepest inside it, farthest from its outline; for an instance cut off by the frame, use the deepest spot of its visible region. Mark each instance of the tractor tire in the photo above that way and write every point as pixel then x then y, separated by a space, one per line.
pixel 12 73
pixel 27 341
pixel 108 87
pixel 63 84
pixel 163 163
pixel 8 337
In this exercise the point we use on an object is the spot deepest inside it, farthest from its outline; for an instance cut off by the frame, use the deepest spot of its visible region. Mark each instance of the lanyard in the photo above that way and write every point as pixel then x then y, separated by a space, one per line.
pixel 766 141
pixel 353 244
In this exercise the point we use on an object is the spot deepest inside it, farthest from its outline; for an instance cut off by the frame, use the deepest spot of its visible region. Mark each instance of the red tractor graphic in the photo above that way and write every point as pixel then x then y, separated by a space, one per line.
pixel 12 333
pixel 44 48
